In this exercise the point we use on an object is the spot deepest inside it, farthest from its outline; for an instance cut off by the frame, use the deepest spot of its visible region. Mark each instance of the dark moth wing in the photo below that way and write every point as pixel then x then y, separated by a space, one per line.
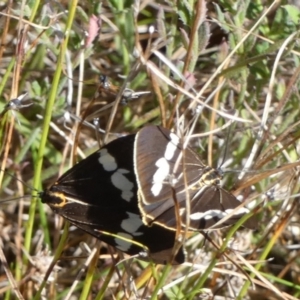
pixel 159 165
pixel 99 195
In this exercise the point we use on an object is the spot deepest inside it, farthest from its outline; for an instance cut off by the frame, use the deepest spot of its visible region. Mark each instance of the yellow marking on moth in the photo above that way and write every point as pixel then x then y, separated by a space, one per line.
pixel 60 196
pixel 65 200
pixel 124 239
pixel 210 177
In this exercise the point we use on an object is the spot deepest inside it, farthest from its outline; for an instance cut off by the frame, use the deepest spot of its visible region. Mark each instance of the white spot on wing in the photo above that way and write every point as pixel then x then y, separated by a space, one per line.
pixel 242 210
pixel 123 184
pixel 123 243
pixel 160 175
pixel 132 224
pixel 171 146
pixel 181 211
pixel 163 167
pixel 208 215
pixel 107 161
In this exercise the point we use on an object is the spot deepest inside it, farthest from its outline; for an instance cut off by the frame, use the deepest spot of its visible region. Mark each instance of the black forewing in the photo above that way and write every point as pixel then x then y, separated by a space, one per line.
pixel 88 182
pixel 95 205
pixel 157 241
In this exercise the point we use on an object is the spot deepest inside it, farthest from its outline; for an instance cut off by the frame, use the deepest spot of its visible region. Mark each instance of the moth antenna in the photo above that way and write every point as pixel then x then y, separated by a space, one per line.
pixel 96 122
pixel 18 198
pixel 244 170
pixel 226 150
pixel 18 179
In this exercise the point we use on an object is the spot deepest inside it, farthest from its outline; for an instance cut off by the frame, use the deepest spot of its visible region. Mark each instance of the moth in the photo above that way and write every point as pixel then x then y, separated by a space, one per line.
pixel 159 160
pixel 124 194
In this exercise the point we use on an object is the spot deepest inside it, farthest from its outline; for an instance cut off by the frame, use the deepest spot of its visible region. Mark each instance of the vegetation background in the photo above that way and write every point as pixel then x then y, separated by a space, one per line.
pixel 227 69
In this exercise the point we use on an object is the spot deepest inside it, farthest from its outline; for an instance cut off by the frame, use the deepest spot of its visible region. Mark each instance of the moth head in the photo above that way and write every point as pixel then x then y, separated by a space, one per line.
pixel 211 177
pixel 53 199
